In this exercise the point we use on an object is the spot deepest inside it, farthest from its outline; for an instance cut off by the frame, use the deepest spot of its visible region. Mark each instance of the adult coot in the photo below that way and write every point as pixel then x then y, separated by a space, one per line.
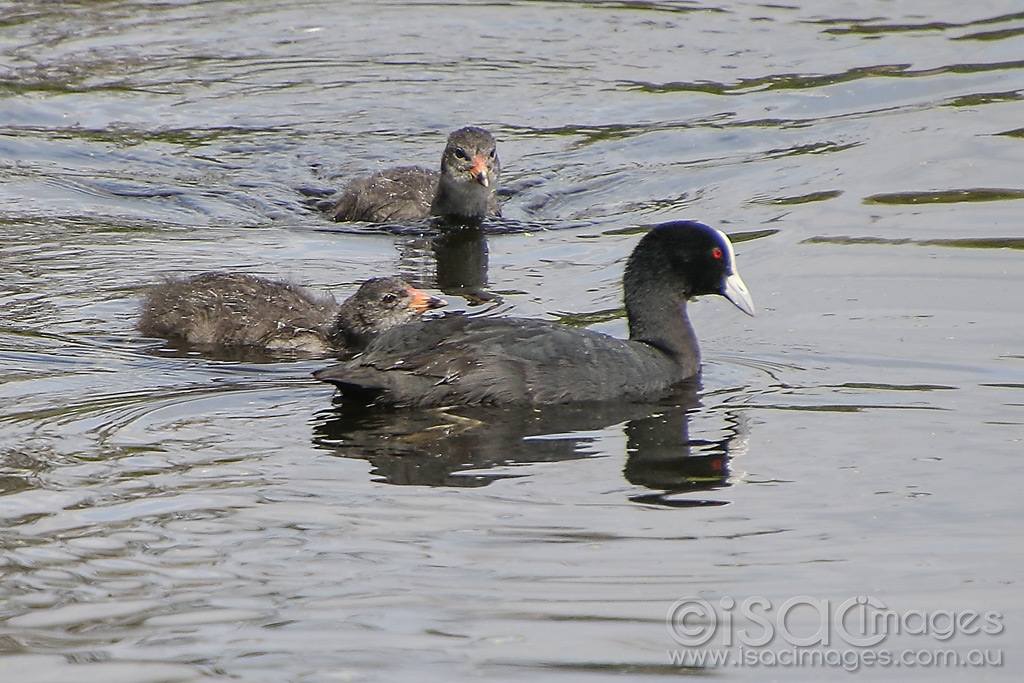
pixel 240 310
pixel 456 359
pixel 463 190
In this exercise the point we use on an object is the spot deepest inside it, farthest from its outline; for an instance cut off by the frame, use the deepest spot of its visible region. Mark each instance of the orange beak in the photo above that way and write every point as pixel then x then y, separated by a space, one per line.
pixel 479 170
pixel 423 302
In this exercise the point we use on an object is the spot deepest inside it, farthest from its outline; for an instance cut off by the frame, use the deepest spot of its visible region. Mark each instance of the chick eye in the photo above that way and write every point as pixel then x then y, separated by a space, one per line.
pixel 716 253
pixel 493 153
pixel 388 298
pixel 461 154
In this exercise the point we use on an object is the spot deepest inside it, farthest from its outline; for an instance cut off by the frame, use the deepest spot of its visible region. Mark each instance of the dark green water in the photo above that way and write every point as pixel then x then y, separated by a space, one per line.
pixel 184 518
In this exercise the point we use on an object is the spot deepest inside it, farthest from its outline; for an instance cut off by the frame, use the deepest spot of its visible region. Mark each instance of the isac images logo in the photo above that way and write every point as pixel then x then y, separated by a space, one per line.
pixel 806 631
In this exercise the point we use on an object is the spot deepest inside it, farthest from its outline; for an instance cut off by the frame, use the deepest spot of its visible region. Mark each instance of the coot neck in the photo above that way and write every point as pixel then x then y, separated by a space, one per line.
pixel 655 297
pixel 349 328
pixel 459 199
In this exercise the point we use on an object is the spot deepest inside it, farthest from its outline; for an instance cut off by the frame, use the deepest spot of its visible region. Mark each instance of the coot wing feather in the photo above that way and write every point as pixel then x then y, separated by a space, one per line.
pixel 462 360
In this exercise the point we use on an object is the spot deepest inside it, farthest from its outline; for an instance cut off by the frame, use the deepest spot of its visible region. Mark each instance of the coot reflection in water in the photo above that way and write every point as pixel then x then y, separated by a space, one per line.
pixel 457 446
pixel 453 257
pixel 457 258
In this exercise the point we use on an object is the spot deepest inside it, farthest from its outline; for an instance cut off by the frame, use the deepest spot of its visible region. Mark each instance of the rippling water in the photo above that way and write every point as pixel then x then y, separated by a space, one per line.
pixel 177 517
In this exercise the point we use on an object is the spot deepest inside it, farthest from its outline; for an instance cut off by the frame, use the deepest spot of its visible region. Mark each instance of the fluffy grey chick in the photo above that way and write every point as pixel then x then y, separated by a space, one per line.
pixel 463 190
pixel 225 310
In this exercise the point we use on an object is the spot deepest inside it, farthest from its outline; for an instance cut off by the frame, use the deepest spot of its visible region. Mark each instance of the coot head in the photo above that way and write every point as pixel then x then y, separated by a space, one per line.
pixel 470 170
pixel 671 264
pixel 379 304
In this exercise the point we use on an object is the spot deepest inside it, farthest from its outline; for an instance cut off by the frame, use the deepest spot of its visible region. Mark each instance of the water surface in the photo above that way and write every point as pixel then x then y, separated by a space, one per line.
pixel 177 517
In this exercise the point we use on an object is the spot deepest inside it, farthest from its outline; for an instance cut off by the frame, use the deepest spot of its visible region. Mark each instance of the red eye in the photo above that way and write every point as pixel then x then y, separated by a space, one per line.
pixel 716 252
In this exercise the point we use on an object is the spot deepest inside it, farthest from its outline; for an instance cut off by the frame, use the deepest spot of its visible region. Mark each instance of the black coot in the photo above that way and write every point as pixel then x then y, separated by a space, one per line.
pixel 240 310
pixel 463 190
pixel 459 360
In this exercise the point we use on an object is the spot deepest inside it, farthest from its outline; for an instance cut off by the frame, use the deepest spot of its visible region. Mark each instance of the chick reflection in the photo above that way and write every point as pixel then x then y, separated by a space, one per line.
pixel 457 447
pixel 459 260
